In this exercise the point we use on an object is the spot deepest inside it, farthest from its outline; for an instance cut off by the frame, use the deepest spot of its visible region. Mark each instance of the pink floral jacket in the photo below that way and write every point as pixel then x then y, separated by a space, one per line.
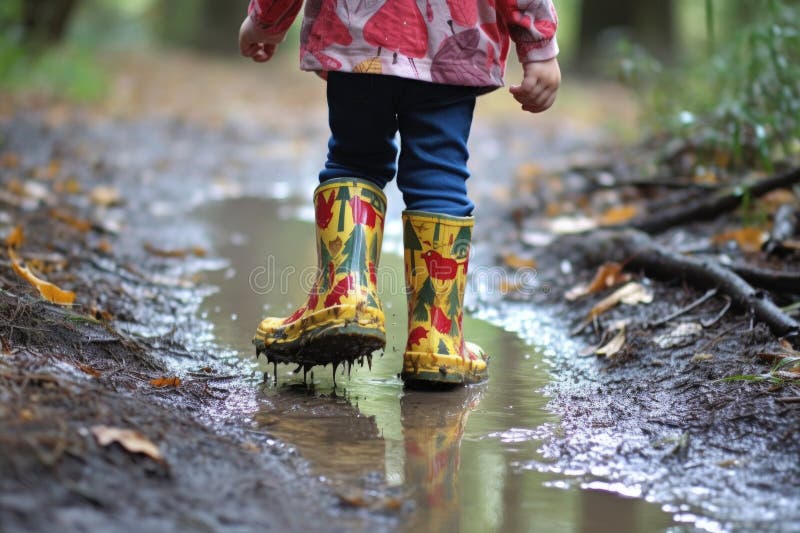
pixel 458 42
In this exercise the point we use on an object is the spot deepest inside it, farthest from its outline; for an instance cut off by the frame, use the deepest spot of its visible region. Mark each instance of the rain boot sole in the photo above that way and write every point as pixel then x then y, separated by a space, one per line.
pixel 337 344
pixel 445 376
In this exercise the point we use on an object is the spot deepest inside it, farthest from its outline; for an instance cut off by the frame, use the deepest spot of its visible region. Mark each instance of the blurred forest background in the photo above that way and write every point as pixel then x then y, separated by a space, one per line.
pixel 723 73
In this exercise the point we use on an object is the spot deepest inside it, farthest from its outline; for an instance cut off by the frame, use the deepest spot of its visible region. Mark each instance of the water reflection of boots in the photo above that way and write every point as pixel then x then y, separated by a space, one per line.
pixel 433 425
pixel 342 319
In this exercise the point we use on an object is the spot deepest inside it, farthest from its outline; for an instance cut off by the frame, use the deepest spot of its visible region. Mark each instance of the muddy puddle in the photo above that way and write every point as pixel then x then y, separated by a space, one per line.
pixel 456 459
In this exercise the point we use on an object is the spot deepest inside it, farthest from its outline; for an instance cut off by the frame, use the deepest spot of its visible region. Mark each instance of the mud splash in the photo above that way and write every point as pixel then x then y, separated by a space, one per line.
pixel 446 461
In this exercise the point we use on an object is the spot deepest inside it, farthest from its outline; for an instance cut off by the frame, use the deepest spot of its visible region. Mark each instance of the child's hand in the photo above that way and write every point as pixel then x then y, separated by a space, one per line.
pixel 538 89
pixel 256 43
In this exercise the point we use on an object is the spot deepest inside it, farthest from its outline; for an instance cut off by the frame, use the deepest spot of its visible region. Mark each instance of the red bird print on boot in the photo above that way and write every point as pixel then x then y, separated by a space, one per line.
pixel 442 268
pixel 363 212
pixel 324 209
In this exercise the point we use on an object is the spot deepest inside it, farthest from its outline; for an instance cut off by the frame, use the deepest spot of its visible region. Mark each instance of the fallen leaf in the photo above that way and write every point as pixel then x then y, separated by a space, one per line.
pixel 699 357
pixel 706 178
pixel 509 286
pixel 166 382
pixel 47 290
pixel 527 172
pixel 778 197
pixel 570 224
pixel 101 314
pixel 631 294
pixel 749 239
pixel 28 189
pixel 105 196
pixel 353 500
pixel 618 215
pixel 68 219
pixel 48 171
pixel 517 262
pixel 89 370
pixel 9 160
pixel 15 238
pixel 70 186
pixel 251 447
pixel 131 440
pixel 680 335
pixel 608 275
pixel 613 346
pixel 178 253
pixel 103 246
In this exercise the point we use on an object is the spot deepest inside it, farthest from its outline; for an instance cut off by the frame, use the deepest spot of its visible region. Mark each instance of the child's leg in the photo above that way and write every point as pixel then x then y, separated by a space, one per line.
pixel 363 123
pixel 434 121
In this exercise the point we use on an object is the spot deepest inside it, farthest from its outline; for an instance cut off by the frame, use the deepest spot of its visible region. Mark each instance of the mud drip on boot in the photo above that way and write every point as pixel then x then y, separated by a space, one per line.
pixel 363 350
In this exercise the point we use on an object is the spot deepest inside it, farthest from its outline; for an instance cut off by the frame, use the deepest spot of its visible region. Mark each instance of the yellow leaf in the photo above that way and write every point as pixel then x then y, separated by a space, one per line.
pixel 512 260
pixel 68 219
pixel 89 370
pixel 749 239
pixel 47 290
pixel 631 294
pixel 15 238
pixel 131 440
pixel 103 246
pixel 9 160
pixel 180 252
pixel 49 171
pixel 369 66
pixel 613 346
pixel 608 275
pixel 618 215
pixel 105 196
pixel 166 382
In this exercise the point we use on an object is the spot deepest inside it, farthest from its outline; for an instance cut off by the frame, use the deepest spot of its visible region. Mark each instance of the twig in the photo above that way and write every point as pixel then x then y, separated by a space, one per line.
pixel 789 399
pixel 709 294
pixel 718 316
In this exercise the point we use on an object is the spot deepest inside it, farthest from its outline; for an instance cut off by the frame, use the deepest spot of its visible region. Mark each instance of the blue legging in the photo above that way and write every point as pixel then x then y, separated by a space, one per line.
pixel 365 113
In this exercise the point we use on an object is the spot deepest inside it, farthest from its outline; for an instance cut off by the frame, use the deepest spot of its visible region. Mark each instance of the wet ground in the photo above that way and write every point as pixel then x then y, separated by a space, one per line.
pixel 555 441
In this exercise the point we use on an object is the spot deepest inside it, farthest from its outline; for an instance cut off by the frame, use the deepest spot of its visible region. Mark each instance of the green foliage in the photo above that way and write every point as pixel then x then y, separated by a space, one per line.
pixel 67 72
pixel 740 99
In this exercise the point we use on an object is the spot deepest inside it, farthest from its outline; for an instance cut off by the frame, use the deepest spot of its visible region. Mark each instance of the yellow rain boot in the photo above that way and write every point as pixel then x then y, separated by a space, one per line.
pixel 436 256
pixel 342 320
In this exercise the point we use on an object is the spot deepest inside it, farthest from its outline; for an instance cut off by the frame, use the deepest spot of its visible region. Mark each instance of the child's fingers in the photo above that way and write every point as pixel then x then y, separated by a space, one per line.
pixel 265 53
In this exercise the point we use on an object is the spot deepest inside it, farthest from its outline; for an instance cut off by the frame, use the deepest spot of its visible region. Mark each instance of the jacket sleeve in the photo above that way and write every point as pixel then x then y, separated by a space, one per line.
pixel 274 16
pixel 532 26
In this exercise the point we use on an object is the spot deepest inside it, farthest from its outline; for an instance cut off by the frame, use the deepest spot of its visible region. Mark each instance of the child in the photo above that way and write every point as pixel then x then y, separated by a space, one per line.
pixel 413 66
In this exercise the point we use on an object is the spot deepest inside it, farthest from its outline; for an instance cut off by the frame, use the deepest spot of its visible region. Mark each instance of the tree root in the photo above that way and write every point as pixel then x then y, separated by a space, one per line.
pixel 710 206
pixel 638 252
